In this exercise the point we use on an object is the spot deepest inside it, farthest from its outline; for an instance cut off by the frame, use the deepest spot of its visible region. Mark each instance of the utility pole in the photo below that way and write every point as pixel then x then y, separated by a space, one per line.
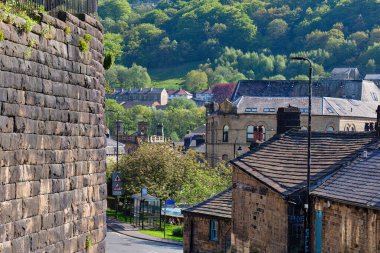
pixel 307 200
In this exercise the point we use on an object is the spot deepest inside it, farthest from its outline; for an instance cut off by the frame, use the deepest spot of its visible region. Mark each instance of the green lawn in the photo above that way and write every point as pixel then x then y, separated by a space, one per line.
pixel 156 233
pixel 160 233
pixel 171 77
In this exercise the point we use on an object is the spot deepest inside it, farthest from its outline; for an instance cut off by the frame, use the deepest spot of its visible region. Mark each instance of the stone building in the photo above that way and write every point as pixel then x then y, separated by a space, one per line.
pixel 345 74
pixel 134 140
pixel 207 225
pixel 269 191
pixel 179 94
pixel 52 136
pixel 336 106
pixel 151 97
pixel 347 207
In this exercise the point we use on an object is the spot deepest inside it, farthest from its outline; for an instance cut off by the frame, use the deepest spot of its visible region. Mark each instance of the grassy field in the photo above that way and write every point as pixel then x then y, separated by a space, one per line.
pixel 171 77
pixel 160 234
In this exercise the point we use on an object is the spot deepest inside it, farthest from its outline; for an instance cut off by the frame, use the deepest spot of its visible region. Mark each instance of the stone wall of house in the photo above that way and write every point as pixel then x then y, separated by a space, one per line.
pixel 238 124
pixel 52 137
pixel 347 228
pixel 196 235
pixel 259 217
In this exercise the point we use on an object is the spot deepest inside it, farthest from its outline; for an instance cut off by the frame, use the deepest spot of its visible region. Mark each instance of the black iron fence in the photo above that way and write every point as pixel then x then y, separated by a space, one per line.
pixel 54 6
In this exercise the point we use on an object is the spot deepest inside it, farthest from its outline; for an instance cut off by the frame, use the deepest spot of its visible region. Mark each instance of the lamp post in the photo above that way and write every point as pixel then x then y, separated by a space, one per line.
pixel 238 151
pixel 307 202
pixel 118 122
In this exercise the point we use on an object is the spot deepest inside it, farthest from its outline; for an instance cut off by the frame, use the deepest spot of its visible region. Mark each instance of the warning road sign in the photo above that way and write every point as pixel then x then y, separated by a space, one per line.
pixel 117 184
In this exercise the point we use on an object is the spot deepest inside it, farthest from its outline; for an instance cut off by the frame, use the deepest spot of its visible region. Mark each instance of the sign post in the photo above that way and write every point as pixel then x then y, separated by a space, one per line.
pixel 144 192
pixel 168 203
pixel 117 188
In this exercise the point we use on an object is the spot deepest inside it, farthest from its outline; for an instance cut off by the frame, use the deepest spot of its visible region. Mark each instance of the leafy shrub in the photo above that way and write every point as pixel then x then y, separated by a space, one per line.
pixel 1 36
pixel 68 30
pixel 83 45
pixel 109 59
pixel 177 231
pixel 88 242
pixel 87 37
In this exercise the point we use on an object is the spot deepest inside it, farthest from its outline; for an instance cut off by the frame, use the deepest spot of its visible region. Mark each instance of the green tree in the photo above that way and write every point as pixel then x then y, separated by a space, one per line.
pixel 114 9
pixel 181 103
pixel 113 43
pixel 277 28
pixel 196 80
pixel 137 77
pixel 168 173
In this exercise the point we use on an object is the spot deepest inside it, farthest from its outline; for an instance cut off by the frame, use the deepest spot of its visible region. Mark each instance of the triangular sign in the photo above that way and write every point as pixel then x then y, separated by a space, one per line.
pixel 117 179
pixel 117 187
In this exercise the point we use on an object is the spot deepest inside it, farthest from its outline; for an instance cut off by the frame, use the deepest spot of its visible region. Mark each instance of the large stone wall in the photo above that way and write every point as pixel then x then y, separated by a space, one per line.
pixel 52 156
pixel 347 228
pixel 196 234
pixel 259 217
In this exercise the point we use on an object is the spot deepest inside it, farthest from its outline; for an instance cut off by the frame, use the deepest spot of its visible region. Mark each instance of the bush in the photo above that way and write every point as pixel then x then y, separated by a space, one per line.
pixel 108 60
pixel 83 45
pixel 177 231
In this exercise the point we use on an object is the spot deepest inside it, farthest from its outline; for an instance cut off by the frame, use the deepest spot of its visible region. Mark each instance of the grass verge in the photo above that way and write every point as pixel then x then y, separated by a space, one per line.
pixel 160 233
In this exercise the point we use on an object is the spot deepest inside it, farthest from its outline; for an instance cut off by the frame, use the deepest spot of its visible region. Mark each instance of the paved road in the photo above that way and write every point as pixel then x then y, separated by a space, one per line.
pixel 117 243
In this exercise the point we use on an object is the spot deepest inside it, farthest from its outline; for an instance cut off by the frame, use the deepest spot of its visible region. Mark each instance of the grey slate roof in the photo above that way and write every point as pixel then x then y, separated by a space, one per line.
pixel 320 106
pixel 357 184
pixel 372 77
pixel 281 162
pixel 143 91
pixel 111 147
pixel 351 89
pixel 219 205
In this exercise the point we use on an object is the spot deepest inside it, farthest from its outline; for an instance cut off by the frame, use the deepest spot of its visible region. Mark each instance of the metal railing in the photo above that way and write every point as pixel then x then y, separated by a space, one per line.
pixel 54 6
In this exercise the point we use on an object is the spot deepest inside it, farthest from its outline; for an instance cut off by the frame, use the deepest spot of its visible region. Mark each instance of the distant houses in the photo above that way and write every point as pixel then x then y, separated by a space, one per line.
pixel 179 94
pixel 159 97
pixel 150 97
pixel 345 74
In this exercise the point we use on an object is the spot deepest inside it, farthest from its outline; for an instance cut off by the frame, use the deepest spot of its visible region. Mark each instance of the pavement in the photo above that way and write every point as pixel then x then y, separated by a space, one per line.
pixel 132 231
pixel 119 243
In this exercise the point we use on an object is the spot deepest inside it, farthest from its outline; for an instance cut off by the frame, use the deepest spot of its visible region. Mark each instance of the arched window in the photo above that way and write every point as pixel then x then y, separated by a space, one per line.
pixel 330 129
pixel 225 133
pixel 353 129
pixel 249 133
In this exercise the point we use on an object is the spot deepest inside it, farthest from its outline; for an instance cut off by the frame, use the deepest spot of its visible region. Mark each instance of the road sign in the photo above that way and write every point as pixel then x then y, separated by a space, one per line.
pixel 144 191
pixel 117 184
pixel 169 203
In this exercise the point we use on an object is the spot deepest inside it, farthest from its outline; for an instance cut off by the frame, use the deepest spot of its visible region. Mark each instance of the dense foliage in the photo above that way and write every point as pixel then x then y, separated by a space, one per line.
pixel 179 117
pixel 169 173
pixel 245 38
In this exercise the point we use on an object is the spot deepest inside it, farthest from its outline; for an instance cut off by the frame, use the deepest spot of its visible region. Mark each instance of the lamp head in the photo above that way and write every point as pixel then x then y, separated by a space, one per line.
pixel 299 58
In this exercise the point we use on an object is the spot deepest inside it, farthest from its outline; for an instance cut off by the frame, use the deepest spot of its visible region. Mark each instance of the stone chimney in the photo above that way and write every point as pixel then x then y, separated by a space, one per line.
pixel 288 118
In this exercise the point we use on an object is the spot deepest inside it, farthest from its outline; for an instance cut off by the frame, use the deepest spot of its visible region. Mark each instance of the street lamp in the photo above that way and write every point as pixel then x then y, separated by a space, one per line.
pixel 238 151
pixel 307 202
pixel 118 123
